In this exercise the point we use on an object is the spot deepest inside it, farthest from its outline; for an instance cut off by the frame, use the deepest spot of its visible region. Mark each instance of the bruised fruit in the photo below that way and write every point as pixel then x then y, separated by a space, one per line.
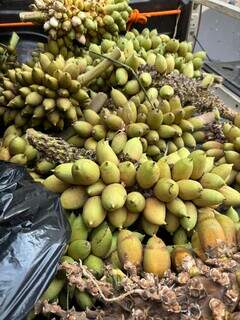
pixel 156 257
pixel 129 248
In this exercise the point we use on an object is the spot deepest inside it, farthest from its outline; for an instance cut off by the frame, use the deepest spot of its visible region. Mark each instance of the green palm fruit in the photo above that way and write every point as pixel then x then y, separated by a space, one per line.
pixel 118 142
pixel 95 189
pixel 127 173
pixel 177 207
pixel 147 174
pixel 183 153
pixel 12 130
pixel 34 99
pixel 109 172
pixel 31 153
pixel 37 75
pixel 188 223
pixel 177 129
pixel 199 161
pixel 172 45
pixel 166 189
pixel 186 125
pixel 189 140
pixel 151 58
pixel 189 111
pixel 161 64
pixel 137 129
pixel 114 259
pixel 227 146
pixel 233 157
pixel 113 122
pixel 90 144
pixel 154 211
pixel 105 153
pixel 83 128
pixel 135 202
pixel 54 184
pixel 231 196
pixel 79 249
pixel 121 76
pixel 183 48
pixel 164 169
pixel 156 257
pixel 19 159
pixel 216 153
pixel 64 172
pixel 211 234
pixel 95 265
pixel 131 219
pixel 83 299
pixel 164 106
pixel 113 197
pixel 85 172
pixel 153 152
pixel 168 118
pixel 145 79
pixel 152 94
pixel 133 60
pixel 237 144
pixel 93 212
pixel 118 217
pixel 212 181
pixel 44 167
pixel 180 237
pixel 223 170
pixel 229 229
pixel 199 136
pixel 129 248
pixel 166 132
pixel 172 222
pixel 209 198
pixel 99 132
pixel 166 92
pixel 133 148
pixel 188 69
pixel 171 147
pixel 4 154
pixel 172 158
pixel 118 98
pixel 53 289
pixel 91 117
pixel 209 164
pixel 73 198
pixel 189 189
pixel 152 137
pixel 101 240
pixel 170 62
pixel 17 145
pixel 113 244
pixel 128 113
pixel 233 214
pixel 182 169
pixel 231 178
pixel 175 103
pixel 154 119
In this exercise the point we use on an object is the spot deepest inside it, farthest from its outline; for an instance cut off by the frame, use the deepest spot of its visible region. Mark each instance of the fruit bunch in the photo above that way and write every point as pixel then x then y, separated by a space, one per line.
pixel 16 149
pixel 84 21
pixel 50 94
pixel 8 56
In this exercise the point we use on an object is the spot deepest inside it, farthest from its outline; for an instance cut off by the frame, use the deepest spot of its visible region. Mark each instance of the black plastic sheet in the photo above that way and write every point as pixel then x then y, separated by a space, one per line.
pixel 33 236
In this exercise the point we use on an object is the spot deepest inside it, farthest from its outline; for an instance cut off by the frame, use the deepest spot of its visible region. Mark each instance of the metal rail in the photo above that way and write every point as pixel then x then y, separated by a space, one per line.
pixel 221 6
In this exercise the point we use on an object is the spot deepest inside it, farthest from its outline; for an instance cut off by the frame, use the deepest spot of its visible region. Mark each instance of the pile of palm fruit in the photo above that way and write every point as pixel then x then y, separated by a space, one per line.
pixel 144 157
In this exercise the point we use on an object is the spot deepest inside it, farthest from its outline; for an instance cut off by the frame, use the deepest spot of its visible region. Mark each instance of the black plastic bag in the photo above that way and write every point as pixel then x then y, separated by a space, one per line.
pixel 33 236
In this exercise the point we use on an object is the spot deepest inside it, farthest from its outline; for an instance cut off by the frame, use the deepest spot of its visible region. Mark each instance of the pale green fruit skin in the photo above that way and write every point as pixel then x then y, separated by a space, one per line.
pixel 135 202
pixel 109 172
pixel 93 212
pixel 79 249
pixel 85 172
pixel 148 174
pixel 79 229
pixel 73 198
pixel 95 265
pixel 17 145
pixel 101 240
pixel 166 189
pixel 113 197
pixel 53 289
pixel 83 299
